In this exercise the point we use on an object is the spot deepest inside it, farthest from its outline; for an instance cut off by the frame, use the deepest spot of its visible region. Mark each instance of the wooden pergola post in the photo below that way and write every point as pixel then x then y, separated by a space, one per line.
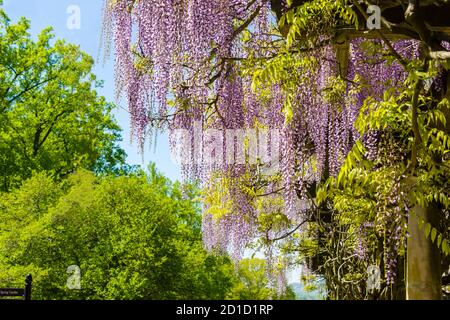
pixel 423 272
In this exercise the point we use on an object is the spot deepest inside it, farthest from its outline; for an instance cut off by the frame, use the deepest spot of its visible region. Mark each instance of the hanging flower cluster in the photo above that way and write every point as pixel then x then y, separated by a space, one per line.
pixel 178 62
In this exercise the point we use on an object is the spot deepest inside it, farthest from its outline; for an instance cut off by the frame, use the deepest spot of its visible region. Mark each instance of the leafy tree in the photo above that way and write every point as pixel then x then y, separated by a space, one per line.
pixel 133 237
pixel 51 117
pixel 254 284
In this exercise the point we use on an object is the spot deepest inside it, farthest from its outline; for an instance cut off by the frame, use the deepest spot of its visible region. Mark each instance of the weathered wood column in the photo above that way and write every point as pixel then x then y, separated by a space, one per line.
pixel 423 275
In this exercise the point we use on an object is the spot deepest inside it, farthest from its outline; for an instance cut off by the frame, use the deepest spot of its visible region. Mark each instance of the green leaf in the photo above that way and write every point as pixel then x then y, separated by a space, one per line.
pixel 433 234
pixel 445 247
pixel 427 229
pixel 439 241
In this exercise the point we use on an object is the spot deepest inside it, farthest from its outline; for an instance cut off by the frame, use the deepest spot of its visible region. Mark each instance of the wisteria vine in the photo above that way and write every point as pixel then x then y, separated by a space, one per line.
pixel 178 63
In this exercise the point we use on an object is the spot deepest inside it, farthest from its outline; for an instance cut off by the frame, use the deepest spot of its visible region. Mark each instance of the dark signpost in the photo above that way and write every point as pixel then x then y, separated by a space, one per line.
pixel 25 293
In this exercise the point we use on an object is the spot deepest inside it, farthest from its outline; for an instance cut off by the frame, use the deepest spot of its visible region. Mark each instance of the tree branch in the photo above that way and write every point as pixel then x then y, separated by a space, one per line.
pixel 289 233
pixel 30 88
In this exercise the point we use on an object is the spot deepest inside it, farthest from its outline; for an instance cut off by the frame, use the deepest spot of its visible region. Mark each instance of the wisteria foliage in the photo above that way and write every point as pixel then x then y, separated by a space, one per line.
pixel 180 62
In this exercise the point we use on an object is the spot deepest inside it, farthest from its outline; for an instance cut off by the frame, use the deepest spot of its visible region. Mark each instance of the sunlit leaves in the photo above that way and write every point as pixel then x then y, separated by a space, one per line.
pixel 134 237
pixel 435 237
pixel 314 18
pixel 51 117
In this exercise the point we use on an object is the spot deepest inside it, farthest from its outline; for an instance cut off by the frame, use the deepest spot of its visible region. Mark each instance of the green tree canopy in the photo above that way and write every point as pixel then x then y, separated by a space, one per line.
pixel 133 237
pixel 51 117
pixel 254 283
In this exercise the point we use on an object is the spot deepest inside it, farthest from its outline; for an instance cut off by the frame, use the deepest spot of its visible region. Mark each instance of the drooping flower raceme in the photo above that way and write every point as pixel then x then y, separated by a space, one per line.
pixel 180 63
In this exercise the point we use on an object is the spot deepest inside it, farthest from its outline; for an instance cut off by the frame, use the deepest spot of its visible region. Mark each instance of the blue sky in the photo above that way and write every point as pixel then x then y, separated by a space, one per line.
pixel 43 13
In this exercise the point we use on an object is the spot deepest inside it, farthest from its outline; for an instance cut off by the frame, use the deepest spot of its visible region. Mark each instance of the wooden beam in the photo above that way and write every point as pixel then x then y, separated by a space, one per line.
pixel 423 275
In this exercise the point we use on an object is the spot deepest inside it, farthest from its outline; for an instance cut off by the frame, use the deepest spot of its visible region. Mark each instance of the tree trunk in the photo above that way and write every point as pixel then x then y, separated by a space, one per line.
pixel 423 279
